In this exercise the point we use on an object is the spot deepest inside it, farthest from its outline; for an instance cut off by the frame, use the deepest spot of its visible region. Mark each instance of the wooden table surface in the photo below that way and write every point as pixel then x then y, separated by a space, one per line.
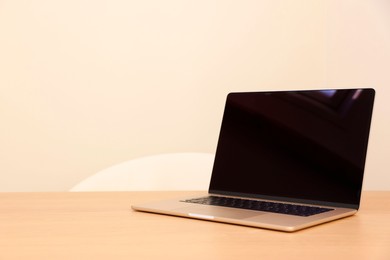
pixel 101 225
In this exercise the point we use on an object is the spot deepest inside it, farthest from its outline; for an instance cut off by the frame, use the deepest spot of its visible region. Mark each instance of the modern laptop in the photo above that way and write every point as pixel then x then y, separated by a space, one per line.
pixel 285 160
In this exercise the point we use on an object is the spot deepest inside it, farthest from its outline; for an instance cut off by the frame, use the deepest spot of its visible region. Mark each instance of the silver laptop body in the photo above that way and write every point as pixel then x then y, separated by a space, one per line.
pixel 285 160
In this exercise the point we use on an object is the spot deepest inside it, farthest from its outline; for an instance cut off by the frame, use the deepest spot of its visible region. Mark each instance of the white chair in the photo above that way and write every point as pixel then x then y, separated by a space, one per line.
pixel 175 171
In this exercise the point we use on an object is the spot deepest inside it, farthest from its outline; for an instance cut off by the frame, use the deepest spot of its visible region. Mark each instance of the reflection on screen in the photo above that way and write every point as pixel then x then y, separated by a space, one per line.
pixel 308 145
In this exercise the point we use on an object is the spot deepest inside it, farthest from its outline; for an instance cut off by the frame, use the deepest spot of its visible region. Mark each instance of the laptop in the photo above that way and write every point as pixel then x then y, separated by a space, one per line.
pixel 285 160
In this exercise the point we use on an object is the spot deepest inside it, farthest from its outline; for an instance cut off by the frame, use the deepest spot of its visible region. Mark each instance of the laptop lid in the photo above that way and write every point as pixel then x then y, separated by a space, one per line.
pixel 299 146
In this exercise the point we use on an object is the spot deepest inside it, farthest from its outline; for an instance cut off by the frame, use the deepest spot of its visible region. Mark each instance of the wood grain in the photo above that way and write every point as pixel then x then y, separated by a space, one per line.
pixel 101 225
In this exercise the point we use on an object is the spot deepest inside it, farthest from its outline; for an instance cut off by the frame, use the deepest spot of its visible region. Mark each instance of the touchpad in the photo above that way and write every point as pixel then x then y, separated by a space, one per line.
pixel 222 212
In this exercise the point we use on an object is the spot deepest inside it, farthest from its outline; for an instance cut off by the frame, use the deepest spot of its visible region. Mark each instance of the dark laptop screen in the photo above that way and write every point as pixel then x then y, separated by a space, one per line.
pixel 305 145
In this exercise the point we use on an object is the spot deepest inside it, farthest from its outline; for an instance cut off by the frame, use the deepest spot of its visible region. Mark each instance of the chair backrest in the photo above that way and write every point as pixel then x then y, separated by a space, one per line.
pixel 174 171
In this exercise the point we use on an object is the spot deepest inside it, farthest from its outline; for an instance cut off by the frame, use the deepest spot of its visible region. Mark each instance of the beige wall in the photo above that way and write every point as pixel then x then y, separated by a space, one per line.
pixel 86 84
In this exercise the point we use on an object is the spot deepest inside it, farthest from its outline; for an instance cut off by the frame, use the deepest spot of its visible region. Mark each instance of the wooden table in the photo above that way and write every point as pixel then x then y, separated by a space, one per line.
pixel 101 225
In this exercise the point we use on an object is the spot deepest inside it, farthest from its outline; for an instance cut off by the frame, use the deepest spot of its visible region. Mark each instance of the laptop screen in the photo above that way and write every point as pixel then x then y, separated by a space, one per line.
pixel 307 146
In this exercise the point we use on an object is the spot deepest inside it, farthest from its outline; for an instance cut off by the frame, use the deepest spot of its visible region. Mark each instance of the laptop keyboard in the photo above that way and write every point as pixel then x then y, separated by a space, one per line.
pixel 274 207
